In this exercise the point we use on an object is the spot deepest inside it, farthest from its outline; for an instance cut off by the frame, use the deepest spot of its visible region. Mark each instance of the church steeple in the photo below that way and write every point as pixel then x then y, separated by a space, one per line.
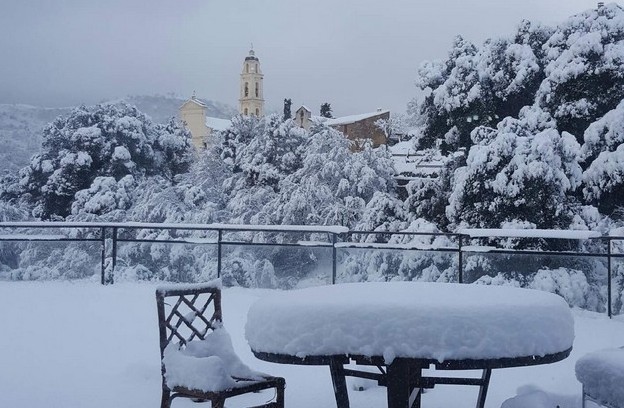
pixel 251 101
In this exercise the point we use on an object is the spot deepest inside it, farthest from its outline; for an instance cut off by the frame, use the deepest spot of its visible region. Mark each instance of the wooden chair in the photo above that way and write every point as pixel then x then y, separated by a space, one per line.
pixel 189 316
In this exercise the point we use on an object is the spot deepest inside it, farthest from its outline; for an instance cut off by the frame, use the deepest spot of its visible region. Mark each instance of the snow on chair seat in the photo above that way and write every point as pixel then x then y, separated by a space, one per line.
pixel 197 357
pixel 209 365
pixel 602 375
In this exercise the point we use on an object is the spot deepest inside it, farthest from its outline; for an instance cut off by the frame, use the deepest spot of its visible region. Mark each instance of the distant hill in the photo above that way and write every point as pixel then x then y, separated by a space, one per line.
pixel 21 126
pixel 163 107
pixel 20 133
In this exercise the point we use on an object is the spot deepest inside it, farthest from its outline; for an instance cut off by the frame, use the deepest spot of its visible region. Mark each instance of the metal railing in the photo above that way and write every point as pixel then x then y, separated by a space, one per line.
pixel 108 236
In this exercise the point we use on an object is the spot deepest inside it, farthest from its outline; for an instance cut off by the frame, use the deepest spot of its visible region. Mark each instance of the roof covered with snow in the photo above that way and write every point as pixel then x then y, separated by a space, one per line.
pixel 305 108
pixel 346 120
pixel 195 101
pixel 218 123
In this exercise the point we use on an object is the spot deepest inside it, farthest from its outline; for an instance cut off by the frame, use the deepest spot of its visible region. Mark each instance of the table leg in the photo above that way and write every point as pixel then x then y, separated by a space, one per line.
pixel 483 389
pixel 398 387
pixel 336 370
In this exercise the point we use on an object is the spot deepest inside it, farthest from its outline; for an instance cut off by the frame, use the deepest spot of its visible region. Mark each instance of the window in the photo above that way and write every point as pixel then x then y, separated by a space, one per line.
pixel 257 112
pixel 247 68
pixel 246 88
pixel 257 89
pixel 246 112
pixel 256 70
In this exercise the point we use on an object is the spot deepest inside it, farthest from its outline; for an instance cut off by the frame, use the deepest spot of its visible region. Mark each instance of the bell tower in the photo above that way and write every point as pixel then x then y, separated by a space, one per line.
pixel 251 101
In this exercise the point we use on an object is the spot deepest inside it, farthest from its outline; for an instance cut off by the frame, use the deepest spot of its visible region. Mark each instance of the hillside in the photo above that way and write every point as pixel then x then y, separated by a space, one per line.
pixel 162 107
pixel 20 133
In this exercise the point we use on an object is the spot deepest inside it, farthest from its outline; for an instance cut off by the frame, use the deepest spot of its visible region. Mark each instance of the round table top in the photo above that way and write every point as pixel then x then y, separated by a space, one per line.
pixel 434 322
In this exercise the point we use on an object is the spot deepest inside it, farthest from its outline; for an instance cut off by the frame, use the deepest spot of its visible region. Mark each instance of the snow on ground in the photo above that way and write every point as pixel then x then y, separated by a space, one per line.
pixel 79 344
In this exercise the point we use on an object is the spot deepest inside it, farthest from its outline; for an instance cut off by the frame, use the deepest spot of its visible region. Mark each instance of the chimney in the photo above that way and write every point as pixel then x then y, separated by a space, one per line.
pixel 600 4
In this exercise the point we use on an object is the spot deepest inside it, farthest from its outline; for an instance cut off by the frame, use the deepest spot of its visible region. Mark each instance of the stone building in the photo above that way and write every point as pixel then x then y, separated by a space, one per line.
pixel 303 117
pixel 358 128
pixel 251 101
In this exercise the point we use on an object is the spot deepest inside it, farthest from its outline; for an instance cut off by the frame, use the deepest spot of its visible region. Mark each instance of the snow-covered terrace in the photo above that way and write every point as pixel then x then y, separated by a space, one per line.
pixel 410 163
pixel 79 344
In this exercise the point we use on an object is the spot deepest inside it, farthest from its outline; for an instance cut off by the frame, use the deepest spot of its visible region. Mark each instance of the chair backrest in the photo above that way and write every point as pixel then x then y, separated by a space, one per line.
pixel 187 313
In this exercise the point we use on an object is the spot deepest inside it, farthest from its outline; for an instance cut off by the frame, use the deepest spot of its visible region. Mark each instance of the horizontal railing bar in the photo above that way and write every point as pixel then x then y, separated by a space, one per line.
pixel 435 234
pixel 390 247
pixel 536 252
pixel 40 239
pixel 237 243
pixel 169 226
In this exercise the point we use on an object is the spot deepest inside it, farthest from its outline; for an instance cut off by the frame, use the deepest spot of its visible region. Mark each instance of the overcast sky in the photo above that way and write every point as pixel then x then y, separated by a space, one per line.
pixel 356 54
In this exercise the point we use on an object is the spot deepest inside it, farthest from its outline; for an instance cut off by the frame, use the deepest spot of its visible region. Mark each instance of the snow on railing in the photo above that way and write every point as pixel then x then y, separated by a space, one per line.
pixel 528 233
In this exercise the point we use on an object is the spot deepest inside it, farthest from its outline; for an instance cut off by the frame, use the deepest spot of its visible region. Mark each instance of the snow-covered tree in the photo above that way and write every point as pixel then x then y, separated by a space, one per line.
pixel 111 140
pixel 105 196
pixel 603 152
pixel 454 94
pixel 585 68
pixel 394 128
pixel 266 151
pixel 333 184
pixel 273 153
pixel 384 212
pixel 510 71
pixel 519 172
pixel 234 139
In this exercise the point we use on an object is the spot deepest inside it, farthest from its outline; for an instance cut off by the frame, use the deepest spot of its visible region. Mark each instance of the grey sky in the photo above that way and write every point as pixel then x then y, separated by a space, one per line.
pixel 356 54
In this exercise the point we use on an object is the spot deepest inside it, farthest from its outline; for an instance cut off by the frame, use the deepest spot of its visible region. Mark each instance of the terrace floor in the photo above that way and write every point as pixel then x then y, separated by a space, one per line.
pixel 79 344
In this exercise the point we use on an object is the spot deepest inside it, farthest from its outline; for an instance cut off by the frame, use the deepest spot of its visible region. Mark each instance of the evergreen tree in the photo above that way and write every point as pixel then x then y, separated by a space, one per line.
pixel 326 110
pixel 333 185
pixel 287 112
pixel 585 69
pixel 267 151
pixel 273 153
pixel 478 87
pixel 452 95
pixel 603 150
pixel 235 138
pixel 519 173
pixel 110 140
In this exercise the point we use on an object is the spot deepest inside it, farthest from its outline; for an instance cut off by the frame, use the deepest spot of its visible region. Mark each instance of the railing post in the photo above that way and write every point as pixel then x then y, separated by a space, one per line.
pixel 103 260
pixel 460 277
pixel 333 238
pixel 609 309
pixel 219 238
pixel 111 275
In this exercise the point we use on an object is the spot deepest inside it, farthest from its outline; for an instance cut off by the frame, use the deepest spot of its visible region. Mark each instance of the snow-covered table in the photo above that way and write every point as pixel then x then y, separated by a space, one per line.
pixel 405 327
